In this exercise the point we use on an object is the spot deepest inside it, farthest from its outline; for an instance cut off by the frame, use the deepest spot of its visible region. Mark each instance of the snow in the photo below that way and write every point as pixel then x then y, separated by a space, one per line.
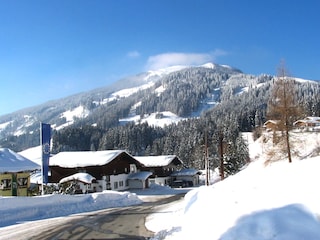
pixel 155 161
pixel 20 209
pixel 159 119
pixel 70 115
pixel 143 175
pixel 246 89
pixel 124 93
pixel 79 112
pixel 278 200
pixel 274 201
pixel 14 162
pixel 165 71
pixel 208 65
pixel 34 154
pixel 129 91
pixel 83 158
pixel 186 172
pixel 82 177
pixel 160 90
pixel 301 80
pixel 4 125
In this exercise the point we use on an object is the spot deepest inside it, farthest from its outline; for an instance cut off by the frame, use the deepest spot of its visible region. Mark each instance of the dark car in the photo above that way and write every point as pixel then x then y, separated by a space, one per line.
pixel 180 184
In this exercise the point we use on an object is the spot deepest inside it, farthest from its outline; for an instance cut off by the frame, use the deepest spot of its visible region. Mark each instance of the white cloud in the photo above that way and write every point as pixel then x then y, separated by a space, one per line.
pixel 133 54
pixel 174 58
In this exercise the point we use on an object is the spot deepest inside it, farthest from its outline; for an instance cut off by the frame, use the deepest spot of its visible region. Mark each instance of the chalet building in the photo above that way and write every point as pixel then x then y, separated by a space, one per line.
pixel 271 125
pixel 15 173
pixel 110 168
pixel 161 167
pixel 307 122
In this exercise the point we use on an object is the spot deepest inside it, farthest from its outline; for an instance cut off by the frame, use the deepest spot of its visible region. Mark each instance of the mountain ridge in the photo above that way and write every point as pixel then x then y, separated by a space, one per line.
pixel 185 91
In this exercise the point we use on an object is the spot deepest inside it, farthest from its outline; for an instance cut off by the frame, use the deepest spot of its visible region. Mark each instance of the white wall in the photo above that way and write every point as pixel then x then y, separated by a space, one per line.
pixel 163 181
pixel 119 182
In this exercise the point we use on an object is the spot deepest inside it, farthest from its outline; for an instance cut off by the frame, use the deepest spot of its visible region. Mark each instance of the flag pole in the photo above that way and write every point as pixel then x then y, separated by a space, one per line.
pixel 45 137
pixel 41 147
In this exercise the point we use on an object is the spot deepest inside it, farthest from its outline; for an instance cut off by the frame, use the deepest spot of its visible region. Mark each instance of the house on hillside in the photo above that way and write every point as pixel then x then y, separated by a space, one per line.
pixel 307 123
pixel 15 173
pixel 110 169
pixel 271 125
pixel 161 167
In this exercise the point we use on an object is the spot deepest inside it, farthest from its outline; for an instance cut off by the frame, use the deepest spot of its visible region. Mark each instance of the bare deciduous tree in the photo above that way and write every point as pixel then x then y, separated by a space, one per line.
pixel 283 105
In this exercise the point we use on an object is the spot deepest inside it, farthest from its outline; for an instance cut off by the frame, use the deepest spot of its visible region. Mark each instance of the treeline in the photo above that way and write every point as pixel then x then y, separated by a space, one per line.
pixel 185 139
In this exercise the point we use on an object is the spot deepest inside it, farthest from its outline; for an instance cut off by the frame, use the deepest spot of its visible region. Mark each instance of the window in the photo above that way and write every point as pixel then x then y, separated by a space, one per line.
pixel 115 185
pixel 152 181
pixel 121 184
pixel 22 182
pixel 5 184
pixel 133 168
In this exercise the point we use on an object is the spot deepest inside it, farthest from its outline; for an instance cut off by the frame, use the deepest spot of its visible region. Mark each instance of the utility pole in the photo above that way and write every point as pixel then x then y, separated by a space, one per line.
pixel 206 158
pixel 221 155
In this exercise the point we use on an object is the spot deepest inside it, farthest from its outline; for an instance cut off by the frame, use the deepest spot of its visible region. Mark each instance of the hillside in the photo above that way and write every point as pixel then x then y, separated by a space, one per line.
pixel 168 111
pixel 126 96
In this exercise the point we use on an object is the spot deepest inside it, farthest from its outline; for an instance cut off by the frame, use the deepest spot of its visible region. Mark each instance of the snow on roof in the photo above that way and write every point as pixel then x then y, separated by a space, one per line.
pixel 156 161
pixel 82 177
pixel 186 172
pixel 272 121
pixel 143 175
pixel 313 118
pixel 14 162
pixel 84 159
pixel 36 177
pixel 34 154
pixel 308 120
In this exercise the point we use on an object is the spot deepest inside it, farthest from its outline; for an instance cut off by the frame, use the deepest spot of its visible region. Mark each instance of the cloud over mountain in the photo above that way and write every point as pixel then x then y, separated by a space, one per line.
pixel 178 58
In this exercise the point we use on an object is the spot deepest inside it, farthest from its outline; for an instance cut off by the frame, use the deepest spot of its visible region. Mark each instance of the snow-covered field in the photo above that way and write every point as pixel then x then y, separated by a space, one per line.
pixel 275 201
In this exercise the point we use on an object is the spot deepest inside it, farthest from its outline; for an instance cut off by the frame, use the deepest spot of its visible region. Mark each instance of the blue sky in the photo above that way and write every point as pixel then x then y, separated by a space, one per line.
pixel 53 49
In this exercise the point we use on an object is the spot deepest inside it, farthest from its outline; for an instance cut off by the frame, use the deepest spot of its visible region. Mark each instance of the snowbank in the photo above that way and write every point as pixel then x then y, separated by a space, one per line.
pixel 18 209
pixel 278 201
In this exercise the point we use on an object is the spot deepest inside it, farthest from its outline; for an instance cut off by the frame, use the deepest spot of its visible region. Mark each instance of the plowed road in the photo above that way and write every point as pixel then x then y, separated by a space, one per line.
pixel 117 223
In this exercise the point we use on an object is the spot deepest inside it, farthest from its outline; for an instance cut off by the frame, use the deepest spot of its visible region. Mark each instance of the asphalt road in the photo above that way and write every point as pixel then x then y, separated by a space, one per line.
pixel 119 223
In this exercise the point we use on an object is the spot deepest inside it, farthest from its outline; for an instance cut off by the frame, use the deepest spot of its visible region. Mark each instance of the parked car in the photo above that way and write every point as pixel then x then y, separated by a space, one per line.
pixel 180 184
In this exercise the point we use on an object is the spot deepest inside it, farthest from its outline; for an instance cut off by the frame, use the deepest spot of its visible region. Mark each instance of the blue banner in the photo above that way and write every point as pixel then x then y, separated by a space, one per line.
pixel 45 144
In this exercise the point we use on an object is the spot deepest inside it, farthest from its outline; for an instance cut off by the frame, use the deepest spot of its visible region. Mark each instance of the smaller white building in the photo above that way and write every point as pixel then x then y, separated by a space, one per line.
pixel 190 176
pixel 139 180
pixel 161 167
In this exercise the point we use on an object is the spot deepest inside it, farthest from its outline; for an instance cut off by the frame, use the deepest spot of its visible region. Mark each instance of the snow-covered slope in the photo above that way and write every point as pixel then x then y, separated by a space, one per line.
pixel 274 201
pixel 159 119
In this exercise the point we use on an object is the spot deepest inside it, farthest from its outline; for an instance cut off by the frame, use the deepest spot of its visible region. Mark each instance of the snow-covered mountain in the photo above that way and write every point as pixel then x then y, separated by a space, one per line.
pixel 160 97
pixel 65 112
